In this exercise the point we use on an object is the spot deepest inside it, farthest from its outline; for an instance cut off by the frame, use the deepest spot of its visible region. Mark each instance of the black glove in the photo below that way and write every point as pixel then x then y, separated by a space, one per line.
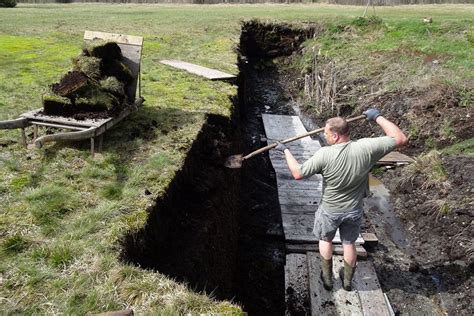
pixel 280 147
pixel 372 114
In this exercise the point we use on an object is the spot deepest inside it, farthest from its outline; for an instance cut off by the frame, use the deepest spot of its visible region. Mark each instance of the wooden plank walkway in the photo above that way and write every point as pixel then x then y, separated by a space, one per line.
pixel 208 73
pixel 299 201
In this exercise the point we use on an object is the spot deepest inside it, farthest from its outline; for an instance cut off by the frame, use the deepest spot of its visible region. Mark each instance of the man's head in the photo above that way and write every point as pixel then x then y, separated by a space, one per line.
pixel 336 130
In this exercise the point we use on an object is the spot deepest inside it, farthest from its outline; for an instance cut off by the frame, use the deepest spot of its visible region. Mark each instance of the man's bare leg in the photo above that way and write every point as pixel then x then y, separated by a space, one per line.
pixel 325 249
pixel 350 254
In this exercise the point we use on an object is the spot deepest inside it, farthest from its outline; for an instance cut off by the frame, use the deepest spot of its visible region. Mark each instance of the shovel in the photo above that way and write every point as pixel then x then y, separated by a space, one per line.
pixel 235 161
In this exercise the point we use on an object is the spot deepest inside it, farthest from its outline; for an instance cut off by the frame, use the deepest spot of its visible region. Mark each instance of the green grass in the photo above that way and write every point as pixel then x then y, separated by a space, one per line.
pixel 464 147
pixel 400 50
pixel 63 213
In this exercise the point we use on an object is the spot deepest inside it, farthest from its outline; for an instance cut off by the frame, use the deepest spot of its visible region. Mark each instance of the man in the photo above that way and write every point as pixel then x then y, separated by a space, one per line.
pixel 344 166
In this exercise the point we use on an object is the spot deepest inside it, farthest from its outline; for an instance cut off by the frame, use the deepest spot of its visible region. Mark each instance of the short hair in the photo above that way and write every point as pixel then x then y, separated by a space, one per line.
pixel 338 125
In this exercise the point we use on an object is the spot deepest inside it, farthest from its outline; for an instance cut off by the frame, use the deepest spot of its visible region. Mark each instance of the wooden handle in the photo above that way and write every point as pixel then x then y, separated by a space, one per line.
pixel 268 147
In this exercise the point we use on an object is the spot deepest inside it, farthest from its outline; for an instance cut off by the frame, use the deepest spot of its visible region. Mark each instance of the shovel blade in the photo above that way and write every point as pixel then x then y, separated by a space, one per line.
pixel 234 162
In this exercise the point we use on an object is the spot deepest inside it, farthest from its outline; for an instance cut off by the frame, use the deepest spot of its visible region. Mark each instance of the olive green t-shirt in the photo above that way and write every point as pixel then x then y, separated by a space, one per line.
pixel 345 169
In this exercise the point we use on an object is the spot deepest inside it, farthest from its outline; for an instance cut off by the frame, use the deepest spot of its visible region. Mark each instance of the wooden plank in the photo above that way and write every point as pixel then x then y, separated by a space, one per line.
pixel 298 145
pixel 395 157
pixel 305 184
pixel 300 237
pixel 279 127
pixel 296 284
pixel 370 239
pixel 15 123
pixel 279 157
pixel 198 70
pixel 367 285
pixel 298 228
pixel 38 123
pixel 322 302
pixel 119 38
pixel 288 176
pixel 131 58
pixel 347 303
pixel 297 209
pixel 305 193
pixel 301 224
pixel 295 200
pixel 35 115
pixel 337 249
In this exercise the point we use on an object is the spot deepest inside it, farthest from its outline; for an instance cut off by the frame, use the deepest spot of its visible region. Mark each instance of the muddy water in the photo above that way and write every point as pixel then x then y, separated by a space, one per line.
pixel 379 202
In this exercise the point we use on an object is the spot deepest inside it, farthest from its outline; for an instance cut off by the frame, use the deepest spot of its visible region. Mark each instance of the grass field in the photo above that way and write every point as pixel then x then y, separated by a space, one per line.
pixel 63 213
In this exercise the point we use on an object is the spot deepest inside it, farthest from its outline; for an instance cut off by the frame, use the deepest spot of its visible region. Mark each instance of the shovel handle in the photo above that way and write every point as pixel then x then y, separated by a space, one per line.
pixel 268 147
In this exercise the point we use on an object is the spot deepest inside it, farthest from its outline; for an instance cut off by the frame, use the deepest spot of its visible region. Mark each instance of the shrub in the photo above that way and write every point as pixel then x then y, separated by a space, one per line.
pixel 7 3
pixel 372 20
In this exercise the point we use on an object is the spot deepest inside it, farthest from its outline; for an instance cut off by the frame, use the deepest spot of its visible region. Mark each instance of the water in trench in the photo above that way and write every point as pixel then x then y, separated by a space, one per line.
pixel 379 203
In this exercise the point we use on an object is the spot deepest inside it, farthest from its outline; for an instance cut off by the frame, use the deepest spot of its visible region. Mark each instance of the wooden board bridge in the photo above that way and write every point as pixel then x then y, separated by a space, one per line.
pixel 298 202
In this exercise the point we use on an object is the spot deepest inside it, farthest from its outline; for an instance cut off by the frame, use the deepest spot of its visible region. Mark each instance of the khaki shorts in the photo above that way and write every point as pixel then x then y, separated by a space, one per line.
pixel 326 224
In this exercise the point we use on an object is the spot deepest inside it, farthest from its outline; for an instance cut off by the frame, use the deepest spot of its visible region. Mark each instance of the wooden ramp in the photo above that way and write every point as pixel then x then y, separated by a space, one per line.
pixel 208 73
pixel 299 201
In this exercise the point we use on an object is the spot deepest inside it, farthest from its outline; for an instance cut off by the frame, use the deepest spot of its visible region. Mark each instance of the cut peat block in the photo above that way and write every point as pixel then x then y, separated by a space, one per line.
pixel 117 69
pixel 106 51
pixel 71 83
pixel 90 66
pixel 100 101
pixel 114 86
pixel 57 105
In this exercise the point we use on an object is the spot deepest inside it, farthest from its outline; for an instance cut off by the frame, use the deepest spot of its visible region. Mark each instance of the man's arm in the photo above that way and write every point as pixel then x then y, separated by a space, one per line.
pixel 388 127
pixel 392 130
pixel 293 165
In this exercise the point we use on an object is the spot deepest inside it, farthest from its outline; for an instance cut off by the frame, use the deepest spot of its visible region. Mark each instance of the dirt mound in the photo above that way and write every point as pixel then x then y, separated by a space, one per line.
pixel 432 117
pixel 439 214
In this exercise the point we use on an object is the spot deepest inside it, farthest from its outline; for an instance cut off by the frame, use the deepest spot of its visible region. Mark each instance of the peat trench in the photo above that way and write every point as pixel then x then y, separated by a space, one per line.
pixel 219 230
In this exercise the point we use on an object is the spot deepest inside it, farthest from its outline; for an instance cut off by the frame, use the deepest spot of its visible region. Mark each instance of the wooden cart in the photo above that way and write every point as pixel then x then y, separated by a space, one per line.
pixel 92 129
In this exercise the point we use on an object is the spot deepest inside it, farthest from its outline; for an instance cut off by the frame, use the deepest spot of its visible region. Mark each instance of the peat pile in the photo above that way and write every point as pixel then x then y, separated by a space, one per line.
pixel 95 87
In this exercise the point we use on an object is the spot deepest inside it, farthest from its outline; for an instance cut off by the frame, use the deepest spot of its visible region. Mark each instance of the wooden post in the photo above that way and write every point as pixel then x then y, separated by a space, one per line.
pixel 35 132
pixel 23 137
pixel 92 147
pixel 101 141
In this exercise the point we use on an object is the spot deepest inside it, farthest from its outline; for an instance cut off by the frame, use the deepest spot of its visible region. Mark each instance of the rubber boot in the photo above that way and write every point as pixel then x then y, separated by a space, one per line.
pixel 326 273
pixel 346 276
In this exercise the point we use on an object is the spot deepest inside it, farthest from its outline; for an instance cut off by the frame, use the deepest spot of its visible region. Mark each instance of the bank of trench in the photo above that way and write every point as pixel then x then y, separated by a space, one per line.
pixel 219 229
